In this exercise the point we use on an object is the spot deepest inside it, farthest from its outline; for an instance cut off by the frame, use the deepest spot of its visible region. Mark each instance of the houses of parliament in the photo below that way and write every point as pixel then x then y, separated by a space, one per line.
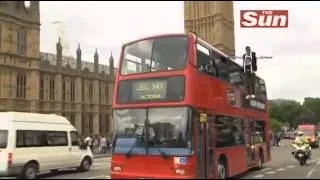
pixel 33 81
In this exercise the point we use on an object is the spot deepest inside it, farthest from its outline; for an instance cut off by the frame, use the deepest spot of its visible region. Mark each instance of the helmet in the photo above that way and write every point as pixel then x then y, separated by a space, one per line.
pixel 300 133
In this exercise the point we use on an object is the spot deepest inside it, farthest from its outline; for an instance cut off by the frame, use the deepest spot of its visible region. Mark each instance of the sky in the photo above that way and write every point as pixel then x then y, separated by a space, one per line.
pixel 292 73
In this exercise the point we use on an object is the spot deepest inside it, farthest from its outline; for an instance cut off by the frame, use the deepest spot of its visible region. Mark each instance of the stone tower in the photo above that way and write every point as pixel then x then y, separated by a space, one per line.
pixel 19 55
pixel 213 22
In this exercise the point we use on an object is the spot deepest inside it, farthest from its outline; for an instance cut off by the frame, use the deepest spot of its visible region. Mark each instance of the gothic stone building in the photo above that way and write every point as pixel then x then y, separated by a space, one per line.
pixel 31 81
pixel 213 21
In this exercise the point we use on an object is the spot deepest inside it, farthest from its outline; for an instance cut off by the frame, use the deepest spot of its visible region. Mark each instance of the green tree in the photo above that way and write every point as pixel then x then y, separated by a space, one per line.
pixel 285 111
pixel 308 117
pixel 313 104
pixel 275 124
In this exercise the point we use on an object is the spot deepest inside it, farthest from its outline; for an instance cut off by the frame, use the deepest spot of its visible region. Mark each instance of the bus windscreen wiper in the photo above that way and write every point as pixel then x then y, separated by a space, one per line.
pixel 164 155
pixel 129 153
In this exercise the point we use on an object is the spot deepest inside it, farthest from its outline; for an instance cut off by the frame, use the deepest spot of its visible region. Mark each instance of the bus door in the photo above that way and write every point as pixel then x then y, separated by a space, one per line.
pixel 249 140
pixel 210 134
pixel 201 145
pixel 205 146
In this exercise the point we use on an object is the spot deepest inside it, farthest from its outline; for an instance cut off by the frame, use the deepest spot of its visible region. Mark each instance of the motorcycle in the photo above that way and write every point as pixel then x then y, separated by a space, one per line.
pixel 301 152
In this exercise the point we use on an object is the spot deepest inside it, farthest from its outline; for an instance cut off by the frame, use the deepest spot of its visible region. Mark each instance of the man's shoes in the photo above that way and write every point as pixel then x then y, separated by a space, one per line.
pixel 252 96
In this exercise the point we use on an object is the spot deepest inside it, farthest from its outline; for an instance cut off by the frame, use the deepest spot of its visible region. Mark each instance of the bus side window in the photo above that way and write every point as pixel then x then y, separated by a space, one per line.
pixel 258 91
pixel 222 65
pixel 259 132
pixel 230 131
pixel 263 89
pixel 204 62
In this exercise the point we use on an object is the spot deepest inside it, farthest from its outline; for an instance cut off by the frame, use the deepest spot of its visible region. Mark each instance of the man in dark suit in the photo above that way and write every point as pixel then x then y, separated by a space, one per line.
pixel 249 68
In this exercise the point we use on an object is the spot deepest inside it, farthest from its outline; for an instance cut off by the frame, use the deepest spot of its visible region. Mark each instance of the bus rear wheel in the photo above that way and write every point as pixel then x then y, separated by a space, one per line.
pixel 222 170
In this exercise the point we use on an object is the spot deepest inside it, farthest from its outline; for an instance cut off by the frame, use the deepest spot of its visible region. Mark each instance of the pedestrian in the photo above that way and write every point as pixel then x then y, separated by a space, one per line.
pixel 88 141
pixel 95 145
pixel 108 145
pixel 103 144
pixel 278 139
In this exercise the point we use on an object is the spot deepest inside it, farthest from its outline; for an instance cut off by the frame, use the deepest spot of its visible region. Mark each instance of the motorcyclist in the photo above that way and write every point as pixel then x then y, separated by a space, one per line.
pixel 300 140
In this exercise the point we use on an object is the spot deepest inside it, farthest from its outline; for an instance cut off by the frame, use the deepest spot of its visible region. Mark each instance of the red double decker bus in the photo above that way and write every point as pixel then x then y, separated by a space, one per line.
pixel 180 111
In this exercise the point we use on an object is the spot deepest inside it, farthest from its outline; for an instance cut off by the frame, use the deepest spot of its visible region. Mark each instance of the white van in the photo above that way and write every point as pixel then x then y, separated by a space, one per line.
pixel 31 143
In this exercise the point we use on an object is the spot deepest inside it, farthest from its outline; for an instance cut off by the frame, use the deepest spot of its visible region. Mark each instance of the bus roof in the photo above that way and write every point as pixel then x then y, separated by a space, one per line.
pixel 33 117
pixel 230 60
pixel 156 36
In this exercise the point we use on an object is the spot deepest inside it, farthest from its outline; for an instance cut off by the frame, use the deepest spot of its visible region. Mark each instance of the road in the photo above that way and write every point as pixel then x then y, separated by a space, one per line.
pixel 99 170
pixel 282 166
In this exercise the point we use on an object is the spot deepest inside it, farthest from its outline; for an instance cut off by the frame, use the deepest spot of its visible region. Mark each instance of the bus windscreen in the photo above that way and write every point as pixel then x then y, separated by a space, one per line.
pixel 157 54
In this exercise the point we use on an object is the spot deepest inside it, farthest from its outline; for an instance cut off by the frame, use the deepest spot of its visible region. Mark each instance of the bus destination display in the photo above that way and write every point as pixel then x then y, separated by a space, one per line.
pixel 149 90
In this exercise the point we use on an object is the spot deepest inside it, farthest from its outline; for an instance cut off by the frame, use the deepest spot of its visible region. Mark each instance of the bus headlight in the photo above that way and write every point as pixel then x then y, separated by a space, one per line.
pixel 180 171
pixel 117 169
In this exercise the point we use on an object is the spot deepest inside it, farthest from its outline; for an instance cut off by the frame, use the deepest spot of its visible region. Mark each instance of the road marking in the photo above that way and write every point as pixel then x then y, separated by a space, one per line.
pixel 291 166
pixel 270 172
pixel 310 173
pixel 8 178
pixel 312 161
pixel 266 169
pixel 281 169
pixel 101 163
pixel 99 168
pixel 318 163
pixel 258 176
pixel 100 177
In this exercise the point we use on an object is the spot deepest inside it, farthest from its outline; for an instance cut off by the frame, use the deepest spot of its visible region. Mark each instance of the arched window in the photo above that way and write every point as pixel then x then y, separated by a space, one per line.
pixel 52 88
pixel 72 88
pixel 41 96
pixel 22 41
pixel 106 89
pixel 90 92
pixel 21 86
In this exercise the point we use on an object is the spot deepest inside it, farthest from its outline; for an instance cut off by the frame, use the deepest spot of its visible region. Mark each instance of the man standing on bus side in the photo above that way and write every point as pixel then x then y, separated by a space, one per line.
pixel 249 68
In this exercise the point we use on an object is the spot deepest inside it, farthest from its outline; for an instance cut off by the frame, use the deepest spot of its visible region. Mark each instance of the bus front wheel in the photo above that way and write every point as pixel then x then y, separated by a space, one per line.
pixel 222 170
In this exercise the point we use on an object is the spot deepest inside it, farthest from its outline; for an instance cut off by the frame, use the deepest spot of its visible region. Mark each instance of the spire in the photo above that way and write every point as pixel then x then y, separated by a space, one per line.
pixel 111 59
pixel 96 56
pixel 59 46
pixel 78 50
pixel 59 55
pixel 96 61
pixel 111 66
pixel 78 57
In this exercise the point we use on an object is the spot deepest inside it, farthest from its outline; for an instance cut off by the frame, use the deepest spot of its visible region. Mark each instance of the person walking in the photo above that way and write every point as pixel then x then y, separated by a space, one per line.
pixel 88 141
pixel 103 144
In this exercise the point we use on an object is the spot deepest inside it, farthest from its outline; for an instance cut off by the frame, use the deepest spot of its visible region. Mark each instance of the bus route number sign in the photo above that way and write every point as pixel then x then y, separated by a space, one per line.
pixel 149 90
pixel 180 160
